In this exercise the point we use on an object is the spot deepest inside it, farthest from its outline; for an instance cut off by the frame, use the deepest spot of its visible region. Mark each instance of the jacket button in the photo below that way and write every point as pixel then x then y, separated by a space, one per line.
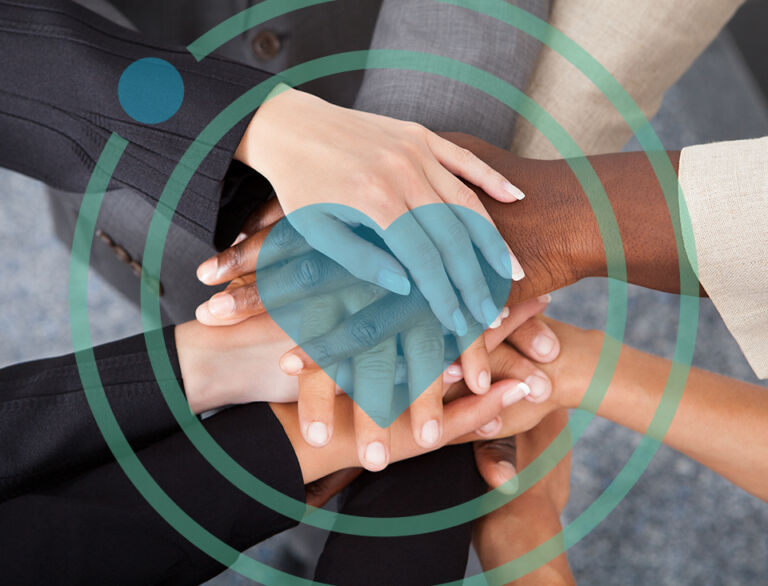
pixel 266 45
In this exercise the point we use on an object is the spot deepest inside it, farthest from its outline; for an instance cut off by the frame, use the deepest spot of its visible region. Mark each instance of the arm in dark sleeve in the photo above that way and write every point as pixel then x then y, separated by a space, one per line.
pixel 97 528
pixel 432 482
pixel 47 430
pixel 59 104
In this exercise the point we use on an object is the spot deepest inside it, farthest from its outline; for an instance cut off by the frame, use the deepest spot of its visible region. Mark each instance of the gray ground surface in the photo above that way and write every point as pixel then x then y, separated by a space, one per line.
pixel 681 524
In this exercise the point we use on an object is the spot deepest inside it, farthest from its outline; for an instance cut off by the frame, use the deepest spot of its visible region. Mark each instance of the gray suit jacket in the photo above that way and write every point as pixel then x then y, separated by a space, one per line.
pixel 333 27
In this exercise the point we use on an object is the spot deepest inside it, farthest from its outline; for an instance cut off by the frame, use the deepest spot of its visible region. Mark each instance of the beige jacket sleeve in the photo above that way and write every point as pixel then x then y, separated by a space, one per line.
pixel 725 188
pixel 645 44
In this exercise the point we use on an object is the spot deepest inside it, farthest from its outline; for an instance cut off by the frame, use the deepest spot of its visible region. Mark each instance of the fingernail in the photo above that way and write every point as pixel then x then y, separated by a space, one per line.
pixel 495 324
pixel 240 237
pixel 455 370
pixel 317 433
pixel 490 313
pixel 517 269
pixel 538 385
pixel 391 281
pixel 543 344
pixel 505 313
pixel 430 432
pixel 484 381
pixel 507 472
pixel 512 396
pixel 221 305
pixel 460 324
pixel 513 191
pixel 291 364
pixel 206 272
pixel 491 427
pixel 545 298
pixel 376 455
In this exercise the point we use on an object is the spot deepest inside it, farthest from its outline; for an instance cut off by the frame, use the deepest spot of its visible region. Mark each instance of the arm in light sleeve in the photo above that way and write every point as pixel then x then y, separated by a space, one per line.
pixel 724 190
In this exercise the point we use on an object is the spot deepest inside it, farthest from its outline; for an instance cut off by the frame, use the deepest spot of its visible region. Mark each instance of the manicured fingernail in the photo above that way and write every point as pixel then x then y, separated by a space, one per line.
pixel 393 282
pixel 240 237
pixel 206 272
pixel 455 370
pixel 490 312
pixel 291 364
pixel 543 344
pixel 491 427
pixel 430 432
pixel 517 269
pixel 495 324
pixel 317 433
pixel 484 381
pixel 376 455
pixel 513 191
pixel 507 473
pixel 459 323
pixel 538 386
pixel 505 313
pixel 545 298
pixel 513 395
pixel 221 305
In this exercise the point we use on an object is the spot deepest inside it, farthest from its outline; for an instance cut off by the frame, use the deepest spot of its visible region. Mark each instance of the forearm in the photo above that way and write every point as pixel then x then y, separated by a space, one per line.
pixel 636 201
pixel 719 422
pixel 555 233
pixel 532 524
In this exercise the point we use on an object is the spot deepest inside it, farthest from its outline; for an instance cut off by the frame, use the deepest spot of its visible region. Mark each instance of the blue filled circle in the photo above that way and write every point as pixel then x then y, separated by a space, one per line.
pixel 151 90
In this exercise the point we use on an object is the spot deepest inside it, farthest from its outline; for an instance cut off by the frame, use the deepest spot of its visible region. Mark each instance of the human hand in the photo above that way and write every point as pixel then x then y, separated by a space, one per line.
pixel 380 169
pixel 533 517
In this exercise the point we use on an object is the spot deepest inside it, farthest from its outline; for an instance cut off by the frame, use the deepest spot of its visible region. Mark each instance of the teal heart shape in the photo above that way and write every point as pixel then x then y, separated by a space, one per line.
pixel 382 348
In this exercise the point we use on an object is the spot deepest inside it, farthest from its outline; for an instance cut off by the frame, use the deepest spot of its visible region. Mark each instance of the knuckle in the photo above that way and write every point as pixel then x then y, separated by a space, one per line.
pixel 283 235
pixel 231 259
pixel 464 156
pixel 424 348
pixel 309 272
pixel 251 297
pixel 366 332
pixel 465 196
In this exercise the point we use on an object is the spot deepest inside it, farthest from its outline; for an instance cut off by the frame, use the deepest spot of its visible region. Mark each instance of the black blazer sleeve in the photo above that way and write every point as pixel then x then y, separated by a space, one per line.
pixel 47 431
pixel 59 75
pixel 97 529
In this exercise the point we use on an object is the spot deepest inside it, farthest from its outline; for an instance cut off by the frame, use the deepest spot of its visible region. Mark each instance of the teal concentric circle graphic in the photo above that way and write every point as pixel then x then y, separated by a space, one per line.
pixel 466 512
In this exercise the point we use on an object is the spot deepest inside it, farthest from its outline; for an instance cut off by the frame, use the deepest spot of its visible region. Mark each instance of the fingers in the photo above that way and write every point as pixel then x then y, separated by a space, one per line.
pixel 423 347
pixel 496 462
pixel 372 441
pixel 453 242
pixel 411 244
pixel 317 392
pixel 513 316
pixel 507 363
pixel 536 340
pixel 365 329
pixel 464 163
pixel 263 249
pixel 476 222
pixel 237 303
pixel 363 259
pixel 476 366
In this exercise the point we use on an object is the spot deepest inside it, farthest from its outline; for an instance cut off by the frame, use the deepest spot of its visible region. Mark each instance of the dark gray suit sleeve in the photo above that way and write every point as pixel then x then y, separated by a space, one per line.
pixel 46 427
pixel 59 104
pixel 440 103
pixel 98 529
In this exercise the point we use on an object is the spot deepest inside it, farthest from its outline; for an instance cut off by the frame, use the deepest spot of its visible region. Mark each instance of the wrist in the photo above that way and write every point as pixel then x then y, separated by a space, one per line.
pixel 283 109
pixel 199 366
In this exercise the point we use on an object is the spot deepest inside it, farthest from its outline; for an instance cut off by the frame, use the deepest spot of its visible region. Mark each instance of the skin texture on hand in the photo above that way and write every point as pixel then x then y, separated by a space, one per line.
pixel 355 167
pixel 531 518
pixel 554 231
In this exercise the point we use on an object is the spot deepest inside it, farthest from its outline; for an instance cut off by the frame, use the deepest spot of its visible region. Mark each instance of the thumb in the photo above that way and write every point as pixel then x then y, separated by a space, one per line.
pixel 495 461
